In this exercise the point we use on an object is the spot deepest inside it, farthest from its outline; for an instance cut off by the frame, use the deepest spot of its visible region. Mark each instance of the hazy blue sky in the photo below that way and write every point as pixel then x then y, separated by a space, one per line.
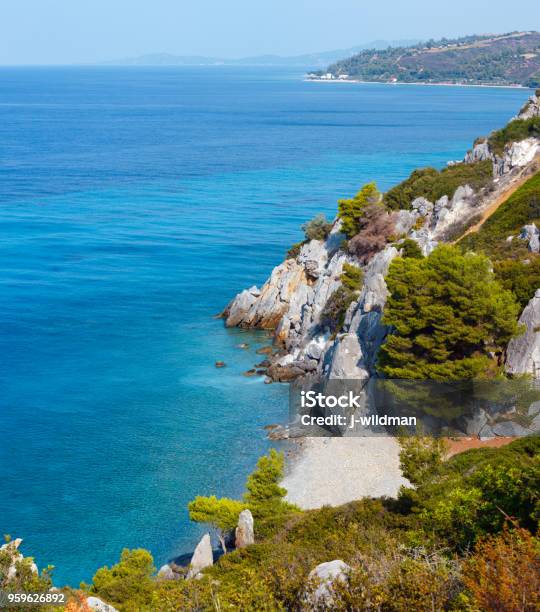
pixel 71 31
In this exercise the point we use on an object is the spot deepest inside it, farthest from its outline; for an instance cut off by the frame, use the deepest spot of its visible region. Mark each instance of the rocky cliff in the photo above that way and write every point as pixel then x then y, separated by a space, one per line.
pixel 292 300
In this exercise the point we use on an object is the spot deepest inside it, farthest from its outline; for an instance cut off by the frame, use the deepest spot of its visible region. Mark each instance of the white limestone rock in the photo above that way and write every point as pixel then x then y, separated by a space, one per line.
pixel 523 352
pixel 423 206
pixel 531 108
pixel 354 353
pixel 404 221
pixel 202 558
pixel 244 534
pixel 324 576
pixel 479 152
pixel 94 603
pixel 166 573
pixel 516 155
pixel 531 234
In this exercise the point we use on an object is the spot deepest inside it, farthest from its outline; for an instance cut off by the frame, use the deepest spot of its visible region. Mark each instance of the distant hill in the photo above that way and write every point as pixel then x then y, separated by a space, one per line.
pixel 507 59
pixel 306 61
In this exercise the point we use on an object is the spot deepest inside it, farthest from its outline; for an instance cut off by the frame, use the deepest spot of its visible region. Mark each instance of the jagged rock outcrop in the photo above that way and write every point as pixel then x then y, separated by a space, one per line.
pixel 531 108
pixel 479 152
pixel 523 353
pixel 531 234
pixel 324 577
pixel 295 292
pixel 16 557
pixel 354 353
pixel 202 558
pixel 94 603
pixel 244 534
pixel 516 155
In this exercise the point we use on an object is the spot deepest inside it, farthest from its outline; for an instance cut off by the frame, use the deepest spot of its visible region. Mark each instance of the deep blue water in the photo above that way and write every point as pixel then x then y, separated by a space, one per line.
pixel 134 204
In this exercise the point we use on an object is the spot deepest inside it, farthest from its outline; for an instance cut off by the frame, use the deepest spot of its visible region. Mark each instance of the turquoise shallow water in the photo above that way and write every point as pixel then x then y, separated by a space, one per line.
pixel 134 204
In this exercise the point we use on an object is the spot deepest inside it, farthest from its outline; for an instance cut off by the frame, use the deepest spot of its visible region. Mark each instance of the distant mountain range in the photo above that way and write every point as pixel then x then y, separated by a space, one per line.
pixel 307 61
pixel 506 59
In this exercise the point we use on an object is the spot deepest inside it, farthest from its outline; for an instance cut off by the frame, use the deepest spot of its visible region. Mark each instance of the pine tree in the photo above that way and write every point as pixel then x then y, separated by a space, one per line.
pixel 449 317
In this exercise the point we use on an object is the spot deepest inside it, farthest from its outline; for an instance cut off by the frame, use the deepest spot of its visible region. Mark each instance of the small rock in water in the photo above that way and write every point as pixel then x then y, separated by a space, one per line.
pixel 260 372
pixel 264 350
pixel 264 364
pixel 244 345
pixel 268 381
pixel 220 364
pixel 250 372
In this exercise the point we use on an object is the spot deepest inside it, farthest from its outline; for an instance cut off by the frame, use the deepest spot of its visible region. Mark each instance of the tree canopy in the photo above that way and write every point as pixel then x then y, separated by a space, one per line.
pixel 449 317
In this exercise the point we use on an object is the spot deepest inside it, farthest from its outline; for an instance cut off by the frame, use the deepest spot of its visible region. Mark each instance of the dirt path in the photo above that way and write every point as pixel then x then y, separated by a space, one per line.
pixel 501 199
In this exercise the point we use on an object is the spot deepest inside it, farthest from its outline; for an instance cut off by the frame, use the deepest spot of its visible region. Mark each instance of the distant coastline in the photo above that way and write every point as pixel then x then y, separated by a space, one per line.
pixel 438 84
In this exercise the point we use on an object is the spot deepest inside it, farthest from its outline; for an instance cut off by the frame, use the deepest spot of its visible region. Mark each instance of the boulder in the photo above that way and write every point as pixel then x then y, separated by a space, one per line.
pixel 94 603
pixel 531 234
pixel 284 373
pixel 166 573
pixel 509 429
pixel 523 352
pixel 325 575
pixel 203 557
pixel 244 534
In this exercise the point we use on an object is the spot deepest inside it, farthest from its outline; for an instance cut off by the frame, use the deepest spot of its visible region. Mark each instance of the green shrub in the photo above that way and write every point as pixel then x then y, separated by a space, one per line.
pixel 477 490
pixel 352 211
pixel 516 130
pixel 522 278
pixel 449 315
pixel 410 248
pixel 421 457
pixel 333 314
pixel 352 277
pixel 338 303
pixel 128 585
pixel 318 228
pixel 521 208
pixel 432 184
pixel 265 496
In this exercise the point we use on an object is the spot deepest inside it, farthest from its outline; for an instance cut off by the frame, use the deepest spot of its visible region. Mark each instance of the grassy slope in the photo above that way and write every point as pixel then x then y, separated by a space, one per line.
pixel 521 208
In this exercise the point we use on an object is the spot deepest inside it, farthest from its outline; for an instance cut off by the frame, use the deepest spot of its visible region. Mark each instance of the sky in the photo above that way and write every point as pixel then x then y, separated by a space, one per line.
pixel 86 31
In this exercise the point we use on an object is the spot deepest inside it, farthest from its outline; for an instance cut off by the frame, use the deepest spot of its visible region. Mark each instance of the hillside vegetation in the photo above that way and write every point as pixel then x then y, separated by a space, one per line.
pixel 515 266
pixel 495 60
pixel 463 536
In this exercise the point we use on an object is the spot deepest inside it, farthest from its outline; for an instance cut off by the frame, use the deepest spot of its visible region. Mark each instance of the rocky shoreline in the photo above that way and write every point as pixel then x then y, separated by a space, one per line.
pixel 293 298
pixel 291 303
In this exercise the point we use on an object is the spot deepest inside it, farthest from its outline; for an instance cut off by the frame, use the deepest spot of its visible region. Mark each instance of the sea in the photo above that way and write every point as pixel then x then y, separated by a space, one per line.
pixel 134 204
